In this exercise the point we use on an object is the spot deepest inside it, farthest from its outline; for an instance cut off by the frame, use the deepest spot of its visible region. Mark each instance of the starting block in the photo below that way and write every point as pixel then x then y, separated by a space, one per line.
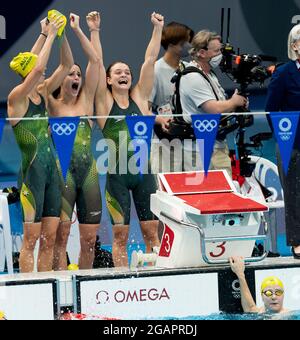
pixel 206 221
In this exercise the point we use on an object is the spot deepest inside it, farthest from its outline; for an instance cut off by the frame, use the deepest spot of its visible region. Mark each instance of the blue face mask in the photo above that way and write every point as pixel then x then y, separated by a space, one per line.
pixel 185 50
pixel 216 61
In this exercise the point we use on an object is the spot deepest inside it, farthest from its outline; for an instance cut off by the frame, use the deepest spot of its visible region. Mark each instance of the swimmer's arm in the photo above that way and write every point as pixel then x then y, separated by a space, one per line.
pixel 92 71
pixel 247 301
pixel 146 81
pixel 103 97
pixel 21 92
pixel 102 91
pixel 66 63
pixel 237 265
pixel 87 46
pixel 37 47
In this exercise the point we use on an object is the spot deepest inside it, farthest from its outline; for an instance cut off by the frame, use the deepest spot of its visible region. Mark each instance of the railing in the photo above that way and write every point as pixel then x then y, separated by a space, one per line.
pixel 204 240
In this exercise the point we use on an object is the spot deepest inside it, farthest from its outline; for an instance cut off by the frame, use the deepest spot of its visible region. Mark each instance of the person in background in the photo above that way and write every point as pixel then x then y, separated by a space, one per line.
pixel 199 94
pixel 272 291
pixel 40 188
pixel 116 97
pixel 176 41
pixel 283 95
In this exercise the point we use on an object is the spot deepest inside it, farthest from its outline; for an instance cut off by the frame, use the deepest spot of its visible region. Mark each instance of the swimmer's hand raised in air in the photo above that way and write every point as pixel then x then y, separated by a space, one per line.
pixel 157 19
pixel 74 21
pixel 93 20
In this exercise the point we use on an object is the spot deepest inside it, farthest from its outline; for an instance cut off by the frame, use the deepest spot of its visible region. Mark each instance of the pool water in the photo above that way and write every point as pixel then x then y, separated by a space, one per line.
pixel 294 315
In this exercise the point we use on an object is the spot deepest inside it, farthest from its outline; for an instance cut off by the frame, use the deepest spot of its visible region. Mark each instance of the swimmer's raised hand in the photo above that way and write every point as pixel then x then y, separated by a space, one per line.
pixel 55 25
pixel 93 20
pixel 157 19
pixel 74 21
pixel 45 26
pixel 237 265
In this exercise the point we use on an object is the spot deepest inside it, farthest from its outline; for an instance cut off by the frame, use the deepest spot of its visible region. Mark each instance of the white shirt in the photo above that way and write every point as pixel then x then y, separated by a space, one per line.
pixel 163 89
pixel 195 90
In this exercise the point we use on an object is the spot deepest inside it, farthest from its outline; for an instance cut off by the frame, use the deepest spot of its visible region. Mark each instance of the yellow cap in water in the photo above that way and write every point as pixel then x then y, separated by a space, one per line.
pixel 24 63
pixel 271 281
pixel 53 15
pixel 2 315
pixel 73 267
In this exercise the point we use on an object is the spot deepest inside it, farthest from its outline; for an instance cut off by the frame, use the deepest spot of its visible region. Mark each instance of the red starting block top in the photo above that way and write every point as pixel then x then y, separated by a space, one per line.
pixel 196 182
pixel 222 203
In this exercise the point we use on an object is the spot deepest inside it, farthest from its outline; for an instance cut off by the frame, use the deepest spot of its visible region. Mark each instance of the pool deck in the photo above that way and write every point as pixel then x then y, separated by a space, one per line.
pixel 154 292
pixel 279 262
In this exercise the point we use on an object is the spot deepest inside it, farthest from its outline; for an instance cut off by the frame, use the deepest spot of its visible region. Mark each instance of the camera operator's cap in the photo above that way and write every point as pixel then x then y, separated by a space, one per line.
pixel 53 15
pixel 271 281
pixel 24 63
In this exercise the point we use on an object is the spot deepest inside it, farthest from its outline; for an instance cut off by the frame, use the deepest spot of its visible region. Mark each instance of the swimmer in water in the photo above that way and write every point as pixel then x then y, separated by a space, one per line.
pixel 272 291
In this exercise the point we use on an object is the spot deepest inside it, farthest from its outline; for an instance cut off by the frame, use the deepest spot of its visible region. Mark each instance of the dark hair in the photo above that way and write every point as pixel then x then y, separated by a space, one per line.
pixel 108 71
pixel 175 32
pixel 56 93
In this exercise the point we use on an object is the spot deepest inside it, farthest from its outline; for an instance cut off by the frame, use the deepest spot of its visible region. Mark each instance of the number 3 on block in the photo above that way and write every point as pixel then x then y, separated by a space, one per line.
pixel 221 251
pixel 167 242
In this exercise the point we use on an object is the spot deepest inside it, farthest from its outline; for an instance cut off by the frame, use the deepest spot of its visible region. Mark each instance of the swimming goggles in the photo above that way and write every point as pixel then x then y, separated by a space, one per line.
pixel 269 293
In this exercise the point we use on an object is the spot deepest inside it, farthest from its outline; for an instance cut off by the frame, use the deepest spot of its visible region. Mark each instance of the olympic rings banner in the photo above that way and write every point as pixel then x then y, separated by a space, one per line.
pixel 2 123
pixel 64 132
pixel 285 129
pixel 206 128
pixel 140 130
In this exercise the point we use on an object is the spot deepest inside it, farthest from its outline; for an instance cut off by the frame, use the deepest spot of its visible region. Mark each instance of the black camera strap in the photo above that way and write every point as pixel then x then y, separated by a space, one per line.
pixel 187 128
pixel 179 128
pixel 188 70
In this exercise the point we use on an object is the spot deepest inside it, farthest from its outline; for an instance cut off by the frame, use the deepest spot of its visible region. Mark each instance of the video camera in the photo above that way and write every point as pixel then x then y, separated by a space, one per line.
pixel 243 69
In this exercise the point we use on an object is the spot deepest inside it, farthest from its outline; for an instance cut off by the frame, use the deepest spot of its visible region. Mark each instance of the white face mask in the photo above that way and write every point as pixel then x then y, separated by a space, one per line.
pixel 216 61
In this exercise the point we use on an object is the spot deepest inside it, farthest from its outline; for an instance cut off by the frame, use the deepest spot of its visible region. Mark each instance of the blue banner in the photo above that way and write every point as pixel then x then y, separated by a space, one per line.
pixel 2 123
pixel 64 132
pixel 140 130
pixel 285 128
pixel 206 127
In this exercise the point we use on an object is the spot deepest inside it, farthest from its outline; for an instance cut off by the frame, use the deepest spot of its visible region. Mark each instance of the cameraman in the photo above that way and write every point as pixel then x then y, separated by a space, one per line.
pixel 200 95
pixel 284 95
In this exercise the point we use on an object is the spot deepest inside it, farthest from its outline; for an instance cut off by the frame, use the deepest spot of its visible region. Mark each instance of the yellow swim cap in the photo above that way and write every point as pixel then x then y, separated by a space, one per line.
pixel 73 267
pixel 271 281
pixel 24 63
pixel 2 315
pixel 53 15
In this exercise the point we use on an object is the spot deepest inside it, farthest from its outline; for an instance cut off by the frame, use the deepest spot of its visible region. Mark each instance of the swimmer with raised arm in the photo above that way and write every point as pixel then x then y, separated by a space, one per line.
pixel 40 187
pixel 272 291
pixel 75 98
pixel 116 97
